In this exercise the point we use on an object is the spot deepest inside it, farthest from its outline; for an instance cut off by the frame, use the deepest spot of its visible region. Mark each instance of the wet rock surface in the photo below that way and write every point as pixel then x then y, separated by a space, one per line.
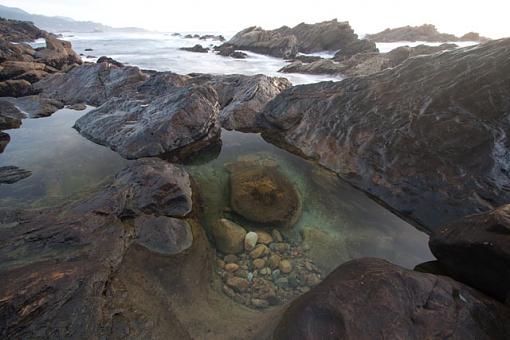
pixel 10 116
pixel 286 42
pixel 197 49
pixel 424 32
pixel 35 106
pixel 476 251
pixel 371 298
pixel 432 155
pixel 262 194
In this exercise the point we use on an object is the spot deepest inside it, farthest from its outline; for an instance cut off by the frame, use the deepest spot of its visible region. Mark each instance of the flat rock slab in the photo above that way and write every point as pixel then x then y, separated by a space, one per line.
pixel 13 174
pixel 35 106
pixel 163 235
pixel 10 116
pixel 263 194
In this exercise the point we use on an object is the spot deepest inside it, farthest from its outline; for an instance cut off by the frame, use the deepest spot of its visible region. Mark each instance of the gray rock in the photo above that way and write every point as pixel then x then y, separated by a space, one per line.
pixel 163 235
pixel 35 106
pixel 57 54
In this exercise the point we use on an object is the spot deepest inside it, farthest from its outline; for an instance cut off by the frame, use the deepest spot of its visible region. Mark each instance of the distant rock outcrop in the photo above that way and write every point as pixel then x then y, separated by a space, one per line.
pixel 424 32
pixel 286 42
pixel 428 137
pixel 20 31
pixel 197 48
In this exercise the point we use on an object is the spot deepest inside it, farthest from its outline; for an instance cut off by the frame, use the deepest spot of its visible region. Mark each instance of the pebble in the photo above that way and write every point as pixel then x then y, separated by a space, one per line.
pixel 250 276
pixel 238 284
pixel 293 282
pixel 277 236
pixel 231 259
pixel 259 251
pixel 274 261
pixel 264 237
pixel 285 266
pixel 242 273
pixel 275 274
pixel 259 263
pixel 231 267
pixel 259 303
pixel 282 282
pixel 265 271
pixel 220 263
pixel 279 247
pixel 250 241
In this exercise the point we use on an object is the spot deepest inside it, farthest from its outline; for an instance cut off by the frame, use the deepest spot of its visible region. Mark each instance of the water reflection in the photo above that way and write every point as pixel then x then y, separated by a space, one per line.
pixel 64 165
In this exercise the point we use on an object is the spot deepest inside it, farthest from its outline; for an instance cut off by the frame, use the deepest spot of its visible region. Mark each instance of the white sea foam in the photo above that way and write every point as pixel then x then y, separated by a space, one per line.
pixel 386 47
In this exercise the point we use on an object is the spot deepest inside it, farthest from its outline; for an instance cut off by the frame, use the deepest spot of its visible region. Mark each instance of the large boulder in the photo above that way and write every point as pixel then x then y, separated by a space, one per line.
pixel 16 88
pixel 229 236
pixel 93 84
pixel 428 137
pixel 373 299
pixel 151 126
pixel 57 53
pixel 476 250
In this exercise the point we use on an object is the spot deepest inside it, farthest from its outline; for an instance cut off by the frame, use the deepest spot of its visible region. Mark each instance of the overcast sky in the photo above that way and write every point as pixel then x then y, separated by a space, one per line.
pixel 489 17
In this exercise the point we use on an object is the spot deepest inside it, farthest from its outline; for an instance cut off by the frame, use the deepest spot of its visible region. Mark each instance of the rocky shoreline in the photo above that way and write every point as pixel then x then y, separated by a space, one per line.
pixel 427 136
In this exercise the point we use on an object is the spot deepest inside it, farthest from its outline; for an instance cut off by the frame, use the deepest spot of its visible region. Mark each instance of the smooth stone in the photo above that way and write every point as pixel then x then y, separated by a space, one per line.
pixel 274 261
pixel 250 241
pixel 285 266
pixel 229 236
pixel 259 251
pixel 259 263
pixel 220 263
pixel 238 284
pixel 282 282
pixel 264 237
pixel 277 236
pixel 259 303
pixel 231 258
pixel 275 274
pixel 279 247
pixel 231 267
pixel 163 235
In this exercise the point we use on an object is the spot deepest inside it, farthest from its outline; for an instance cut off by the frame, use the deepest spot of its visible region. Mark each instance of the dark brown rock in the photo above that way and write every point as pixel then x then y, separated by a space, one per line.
pixel 10 116
pixel 197 48
pixel 476 250
pixel 263 194
pixel 16 88
pixel 109 60
pixel 4 140
pixel 57 54
pixel 163 235
pixel 427 137
pixel 19 31
pixel 372 299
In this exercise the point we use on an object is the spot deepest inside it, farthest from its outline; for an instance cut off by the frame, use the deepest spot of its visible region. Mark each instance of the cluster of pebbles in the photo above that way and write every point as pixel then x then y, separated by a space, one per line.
pixel 260 269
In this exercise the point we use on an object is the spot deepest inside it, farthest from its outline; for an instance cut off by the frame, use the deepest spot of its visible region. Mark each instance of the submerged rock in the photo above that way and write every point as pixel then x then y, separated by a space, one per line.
pixel 262 194
pixel 12 174
pixel 476 251
pixel 371 298
pixel 229 236
pixel 427 137
pixel 163 235
pixel 35 106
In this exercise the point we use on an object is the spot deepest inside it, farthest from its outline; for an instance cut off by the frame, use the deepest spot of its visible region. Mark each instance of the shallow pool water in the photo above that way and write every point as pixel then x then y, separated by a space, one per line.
pixel 338 222
pixel 64 165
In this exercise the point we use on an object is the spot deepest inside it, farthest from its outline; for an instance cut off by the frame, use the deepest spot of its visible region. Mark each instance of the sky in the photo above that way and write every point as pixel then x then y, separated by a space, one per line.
pixel 488 17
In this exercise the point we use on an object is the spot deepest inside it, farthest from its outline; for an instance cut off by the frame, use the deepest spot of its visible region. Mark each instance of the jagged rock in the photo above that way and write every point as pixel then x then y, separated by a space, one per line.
pixel 323 66
pixel 197 48
pixel 476 250
pixel 212 37
pixel 18 31
pixel 57 54
pixel 12 174
pixel 427 137
pixel 16 69
pixel 424 32
pixel 242 97
pixel 238 55
pixel 35 106
pixel 262 194
pixel 163 235
pixel 10 116
pixel 151 126
pixel 372 299
pixel 109 60
pixel 16 88
pixel 93 84
pixel 78 106
pixel 286 42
